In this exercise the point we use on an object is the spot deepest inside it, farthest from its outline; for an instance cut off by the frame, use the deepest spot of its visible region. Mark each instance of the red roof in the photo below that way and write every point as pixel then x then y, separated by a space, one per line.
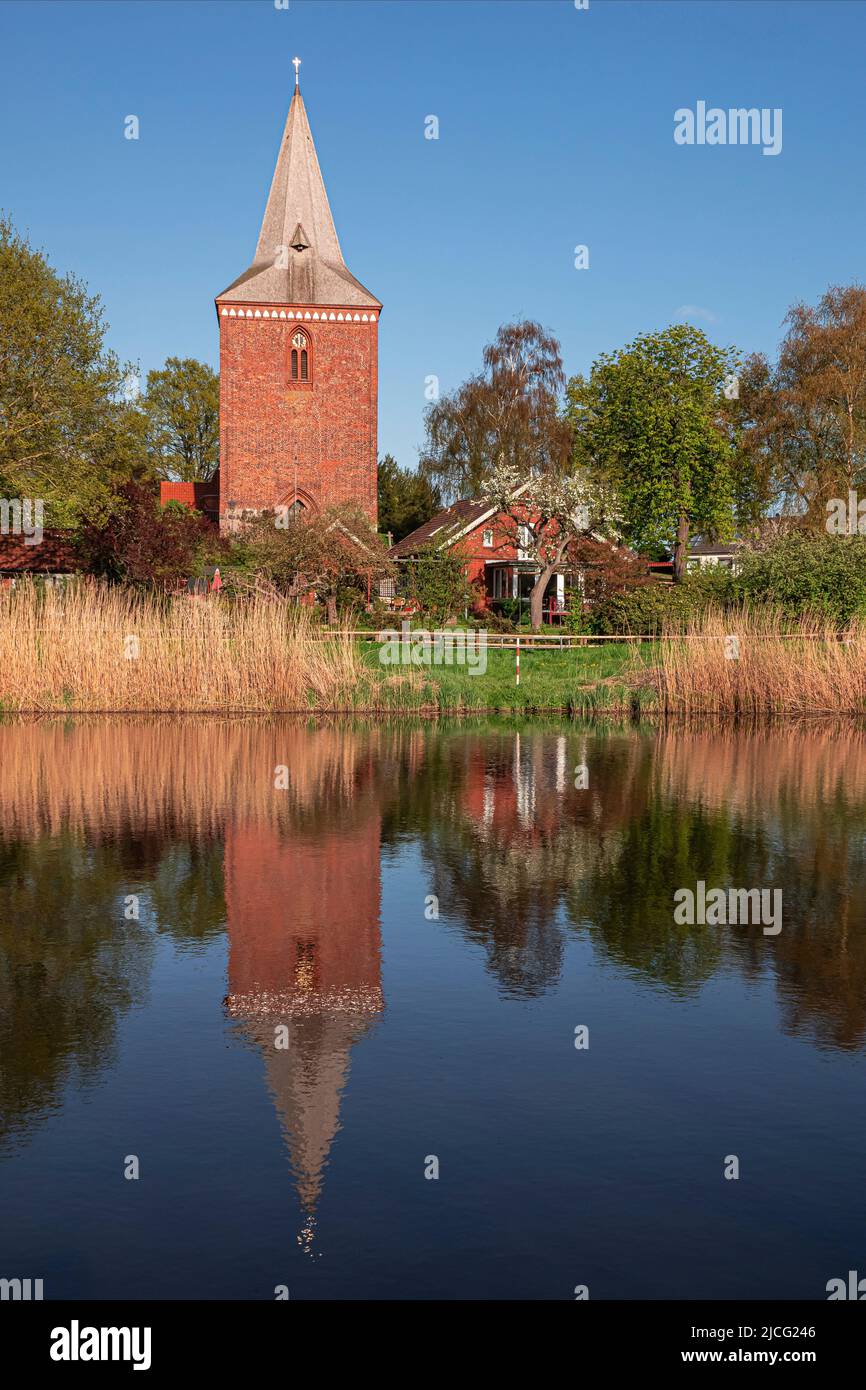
pixel 201 497
pixel 54 555
pixel 444 525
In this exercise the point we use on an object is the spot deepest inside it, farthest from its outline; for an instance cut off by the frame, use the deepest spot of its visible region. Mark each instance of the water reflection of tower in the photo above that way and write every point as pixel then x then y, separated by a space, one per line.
pixel 302 905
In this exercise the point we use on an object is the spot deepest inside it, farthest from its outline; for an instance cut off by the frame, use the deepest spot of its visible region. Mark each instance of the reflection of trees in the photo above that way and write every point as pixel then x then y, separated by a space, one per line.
pixel 69 966
pixel 506 902
pixel 778 809
pixel 186 890
pixel 798 797
pixel 515 851
pixel 821 967
pixel 507 834
pixel 516 854
pixel 626 902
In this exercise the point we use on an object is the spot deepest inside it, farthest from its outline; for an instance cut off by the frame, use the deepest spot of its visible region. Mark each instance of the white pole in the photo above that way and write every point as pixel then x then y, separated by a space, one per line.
pixel 517 662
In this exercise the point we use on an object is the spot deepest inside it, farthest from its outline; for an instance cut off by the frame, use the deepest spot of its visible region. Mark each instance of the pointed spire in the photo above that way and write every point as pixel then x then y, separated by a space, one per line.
pixel 304 265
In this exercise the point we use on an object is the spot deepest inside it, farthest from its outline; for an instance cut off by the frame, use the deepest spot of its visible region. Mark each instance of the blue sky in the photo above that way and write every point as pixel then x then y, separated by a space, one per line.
pixel 555 129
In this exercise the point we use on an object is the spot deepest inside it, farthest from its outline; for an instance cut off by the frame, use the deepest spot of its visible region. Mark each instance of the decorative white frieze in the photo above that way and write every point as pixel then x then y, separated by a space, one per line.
pixel 324 316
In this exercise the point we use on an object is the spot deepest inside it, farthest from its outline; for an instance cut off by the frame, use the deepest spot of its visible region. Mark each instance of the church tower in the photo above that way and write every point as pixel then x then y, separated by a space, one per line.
pixel 298 355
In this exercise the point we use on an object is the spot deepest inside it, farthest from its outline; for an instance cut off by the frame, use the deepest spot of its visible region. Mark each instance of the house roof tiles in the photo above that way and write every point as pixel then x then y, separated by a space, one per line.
pixel 444 526
pixel 53 555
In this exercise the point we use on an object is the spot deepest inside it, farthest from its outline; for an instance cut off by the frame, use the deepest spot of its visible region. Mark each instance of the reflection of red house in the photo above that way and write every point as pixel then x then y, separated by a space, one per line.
pixel 304 951
pixel 522 794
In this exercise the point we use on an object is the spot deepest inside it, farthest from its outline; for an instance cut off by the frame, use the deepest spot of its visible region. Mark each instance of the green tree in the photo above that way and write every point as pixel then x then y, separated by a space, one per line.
pixel 181 407
pixel 652 421
pixel 436 580
pixel 406 499
pixel 67 435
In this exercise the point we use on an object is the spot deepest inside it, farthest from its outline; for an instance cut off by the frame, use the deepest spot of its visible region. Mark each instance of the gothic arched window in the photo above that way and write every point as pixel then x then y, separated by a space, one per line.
pixel 300 360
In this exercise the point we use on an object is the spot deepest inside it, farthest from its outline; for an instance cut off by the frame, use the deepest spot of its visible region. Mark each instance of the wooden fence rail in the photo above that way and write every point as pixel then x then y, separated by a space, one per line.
pixel 547 641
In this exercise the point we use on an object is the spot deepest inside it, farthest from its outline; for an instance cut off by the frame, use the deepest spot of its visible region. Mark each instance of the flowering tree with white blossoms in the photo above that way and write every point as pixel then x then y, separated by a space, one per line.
pixel 543 515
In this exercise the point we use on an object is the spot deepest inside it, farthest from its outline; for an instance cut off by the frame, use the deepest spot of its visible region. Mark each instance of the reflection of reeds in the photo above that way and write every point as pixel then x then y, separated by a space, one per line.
pixel 95 647
pixel 782 667
pixel 156 774
pixel 758 774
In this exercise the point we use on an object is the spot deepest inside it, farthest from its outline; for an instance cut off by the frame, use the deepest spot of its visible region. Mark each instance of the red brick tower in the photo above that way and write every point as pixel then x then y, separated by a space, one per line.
pixel 298 355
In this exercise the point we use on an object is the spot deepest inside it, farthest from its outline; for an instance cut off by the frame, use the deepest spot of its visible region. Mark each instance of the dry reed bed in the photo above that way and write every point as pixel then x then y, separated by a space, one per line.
pixel 99 648
pixel 783 667
pixel 96 648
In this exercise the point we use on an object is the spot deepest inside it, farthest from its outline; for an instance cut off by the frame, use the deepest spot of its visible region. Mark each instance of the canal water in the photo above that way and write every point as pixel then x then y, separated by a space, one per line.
pixel 359 1011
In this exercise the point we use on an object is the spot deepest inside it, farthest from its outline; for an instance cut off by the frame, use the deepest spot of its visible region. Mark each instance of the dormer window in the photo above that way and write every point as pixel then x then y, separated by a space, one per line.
pixel 300 356
pixel 299 241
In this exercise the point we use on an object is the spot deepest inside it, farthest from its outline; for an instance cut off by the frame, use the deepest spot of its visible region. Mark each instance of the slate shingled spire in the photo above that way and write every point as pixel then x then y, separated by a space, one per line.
pixel 298 258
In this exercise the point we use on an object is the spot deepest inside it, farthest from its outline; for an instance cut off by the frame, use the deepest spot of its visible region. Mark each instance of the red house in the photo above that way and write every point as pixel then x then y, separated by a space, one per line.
pixel 497 567
pixel 200 497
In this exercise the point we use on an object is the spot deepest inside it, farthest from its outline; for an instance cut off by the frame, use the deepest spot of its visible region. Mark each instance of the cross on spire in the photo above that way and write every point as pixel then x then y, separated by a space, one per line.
pixel 297 64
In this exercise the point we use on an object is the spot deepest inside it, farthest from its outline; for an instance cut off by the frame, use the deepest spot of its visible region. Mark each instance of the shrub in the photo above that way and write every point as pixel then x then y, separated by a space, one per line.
pixel 435 580
pixel 651 607
pixel 495 621
pixel 826 574
pixel 640 611
pixel 377 616
pixel 713 586
pixel 509 609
